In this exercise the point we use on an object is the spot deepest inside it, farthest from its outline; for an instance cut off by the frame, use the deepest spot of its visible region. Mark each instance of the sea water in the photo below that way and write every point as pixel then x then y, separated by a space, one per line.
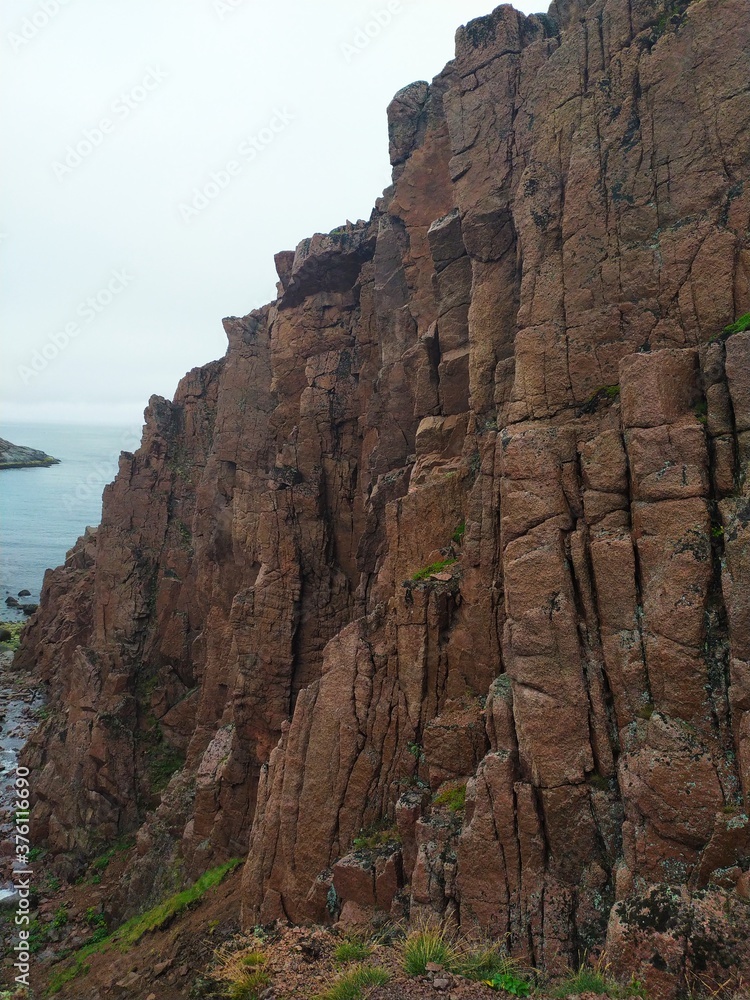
pixel 44 511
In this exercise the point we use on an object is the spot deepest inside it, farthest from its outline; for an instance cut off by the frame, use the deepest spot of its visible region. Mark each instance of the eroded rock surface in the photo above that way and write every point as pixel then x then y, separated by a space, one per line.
pixel 452 546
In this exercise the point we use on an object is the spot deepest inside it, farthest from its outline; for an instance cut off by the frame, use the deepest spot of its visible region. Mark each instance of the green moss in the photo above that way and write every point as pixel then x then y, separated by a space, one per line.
pixel 163 762
pixel 740 325
pixel 153 920
pixel 377 836
pixel 15 629
pixel 453 798
pixel 458 534
pixel 604 394
pixel 437 567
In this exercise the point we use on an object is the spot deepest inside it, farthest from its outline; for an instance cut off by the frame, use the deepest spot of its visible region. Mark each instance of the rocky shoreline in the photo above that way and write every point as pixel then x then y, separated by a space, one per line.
pixel 13 456
pixel 19 716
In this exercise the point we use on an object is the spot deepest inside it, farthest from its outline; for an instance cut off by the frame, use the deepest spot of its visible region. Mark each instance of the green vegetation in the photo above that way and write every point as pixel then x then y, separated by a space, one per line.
pixel 376 836
pixel 437 567
pixel 453 798
pixel 250 986
pixel 458 534
pixel 98 924
pixel 596 980
pixel 352 985
pixel 509 982
pixel 14 629
pixel 164 913
pixel 38 936
pixel 428 945
pixel 352 950
pixel 60 918
pixel 153 920
pixel 162 760
pixel 740 325
pixel 484 964
pixel 604 394
pixel 253 959
pixel 100 864
pixel 51 883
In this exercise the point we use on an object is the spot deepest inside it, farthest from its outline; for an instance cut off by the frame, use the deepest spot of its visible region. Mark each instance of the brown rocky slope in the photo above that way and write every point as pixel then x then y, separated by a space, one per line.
pixel 512 374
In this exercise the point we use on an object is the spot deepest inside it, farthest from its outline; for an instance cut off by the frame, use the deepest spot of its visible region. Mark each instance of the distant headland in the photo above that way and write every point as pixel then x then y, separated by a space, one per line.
pixel 13 456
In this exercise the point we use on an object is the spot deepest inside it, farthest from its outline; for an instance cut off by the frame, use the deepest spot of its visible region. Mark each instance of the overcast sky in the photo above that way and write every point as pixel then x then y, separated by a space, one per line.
pixel 115 114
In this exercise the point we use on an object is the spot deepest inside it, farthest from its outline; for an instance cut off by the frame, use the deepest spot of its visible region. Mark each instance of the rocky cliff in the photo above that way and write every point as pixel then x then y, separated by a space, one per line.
pixel 452 547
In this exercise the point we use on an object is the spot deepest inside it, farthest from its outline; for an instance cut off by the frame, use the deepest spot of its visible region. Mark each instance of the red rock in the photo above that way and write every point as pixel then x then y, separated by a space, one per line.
pixel 516 362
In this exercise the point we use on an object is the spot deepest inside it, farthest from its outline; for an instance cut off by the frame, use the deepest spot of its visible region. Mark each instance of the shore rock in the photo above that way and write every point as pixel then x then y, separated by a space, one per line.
pixel 13 456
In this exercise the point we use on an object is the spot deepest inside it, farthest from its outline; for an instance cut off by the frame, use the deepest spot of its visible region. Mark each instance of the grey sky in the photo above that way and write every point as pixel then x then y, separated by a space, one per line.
pixel 106 249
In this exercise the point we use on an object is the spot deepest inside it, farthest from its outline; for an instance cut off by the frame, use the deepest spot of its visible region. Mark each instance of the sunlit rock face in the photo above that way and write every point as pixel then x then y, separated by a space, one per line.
pixel 454 543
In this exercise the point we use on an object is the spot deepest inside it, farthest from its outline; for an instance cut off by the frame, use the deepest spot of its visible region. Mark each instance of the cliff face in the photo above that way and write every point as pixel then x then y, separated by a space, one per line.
pixel 512 377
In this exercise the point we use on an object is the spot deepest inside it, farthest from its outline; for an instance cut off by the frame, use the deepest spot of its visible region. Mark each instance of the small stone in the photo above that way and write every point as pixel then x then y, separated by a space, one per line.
pixel 441 984
pixel 130 980
pixel 433 967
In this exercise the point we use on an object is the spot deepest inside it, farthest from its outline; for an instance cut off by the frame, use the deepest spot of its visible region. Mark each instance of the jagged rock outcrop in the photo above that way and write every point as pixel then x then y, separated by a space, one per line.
pixel 465 507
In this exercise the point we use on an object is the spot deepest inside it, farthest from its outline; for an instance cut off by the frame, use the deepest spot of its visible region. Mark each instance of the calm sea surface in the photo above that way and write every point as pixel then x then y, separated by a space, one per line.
pixel 43 511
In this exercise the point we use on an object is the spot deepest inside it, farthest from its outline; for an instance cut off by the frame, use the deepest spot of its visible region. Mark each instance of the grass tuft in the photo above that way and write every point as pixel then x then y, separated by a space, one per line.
pixel 480 964
pixel 596 980
pixel 428 945
pixel 352 985
pixel 352 950
pixel 249 986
